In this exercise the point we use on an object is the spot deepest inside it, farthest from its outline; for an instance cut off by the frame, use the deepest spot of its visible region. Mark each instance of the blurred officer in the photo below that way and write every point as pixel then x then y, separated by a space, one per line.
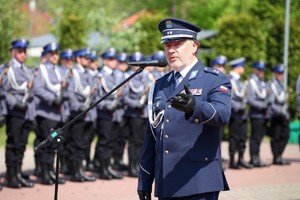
pixel 136 113
pixel 279 115
pixel 158 71
pixel 92 69
pixel 181 150
pixel 121 133
pixel 67 61
pixel 49 93
pixel 257 98
pixel 81 96
pixel 17 87
pixel 105 112
pixel 37 170
pixel 3 110
pixel 219 63
pixel 238 118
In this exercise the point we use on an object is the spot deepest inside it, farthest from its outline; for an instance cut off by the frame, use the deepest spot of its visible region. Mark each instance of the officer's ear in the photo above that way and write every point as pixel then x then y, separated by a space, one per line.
pixel 196 44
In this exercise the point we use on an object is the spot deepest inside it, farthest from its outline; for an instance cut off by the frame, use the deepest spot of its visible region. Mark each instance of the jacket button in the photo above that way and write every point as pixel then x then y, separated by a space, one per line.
pixel 166 152
pixel 166 136
pixel 169 106
pixel 167 120
pixel 206 159
pixel 196 120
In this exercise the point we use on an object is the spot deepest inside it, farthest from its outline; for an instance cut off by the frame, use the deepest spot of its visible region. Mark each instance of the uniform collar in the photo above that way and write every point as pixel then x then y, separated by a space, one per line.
pixel 186 70
pixel 107 70
pixel 80 68
pixel 234 75
pixel 16 63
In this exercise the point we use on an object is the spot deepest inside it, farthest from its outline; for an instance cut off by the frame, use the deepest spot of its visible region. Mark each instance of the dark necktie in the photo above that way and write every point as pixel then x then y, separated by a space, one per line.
pixel 177 76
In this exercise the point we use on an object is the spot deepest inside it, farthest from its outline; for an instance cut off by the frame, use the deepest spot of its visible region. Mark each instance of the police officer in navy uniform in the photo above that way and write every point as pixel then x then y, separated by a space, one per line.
pixel 136 113
pixel 49 92
pixel 257 99
pixel 181 150
pixel 279 116
pixel 238 118
pixel 17 87
pixel 81 96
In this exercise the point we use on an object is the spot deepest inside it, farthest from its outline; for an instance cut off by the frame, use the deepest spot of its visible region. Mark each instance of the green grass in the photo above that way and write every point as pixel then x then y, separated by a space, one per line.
pixel 3 137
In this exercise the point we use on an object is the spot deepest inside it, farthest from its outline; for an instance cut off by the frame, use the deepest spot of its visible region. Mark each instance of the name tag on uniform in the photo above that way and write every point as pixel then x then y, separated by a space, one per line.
pixel 196 92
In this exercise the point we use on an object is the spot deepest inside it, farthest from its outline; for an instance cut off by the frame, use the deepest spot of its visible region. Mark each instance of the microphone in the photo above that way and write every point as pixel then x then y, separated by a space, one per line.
pixel 156 63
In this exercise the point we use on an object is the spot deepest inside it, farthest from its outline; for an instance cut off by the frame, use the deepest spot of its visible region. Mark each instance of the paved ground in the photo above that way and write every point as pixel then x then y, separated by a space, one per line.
pixel 272 183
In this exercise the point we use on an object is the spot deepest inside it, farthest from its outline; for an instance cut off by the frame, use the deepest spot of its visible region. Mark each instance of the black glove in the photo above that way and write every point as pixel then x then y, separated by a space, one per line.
pixel 143 195
pixel 21 106
pixel 184 102
pixel 83 107
pixel 58 100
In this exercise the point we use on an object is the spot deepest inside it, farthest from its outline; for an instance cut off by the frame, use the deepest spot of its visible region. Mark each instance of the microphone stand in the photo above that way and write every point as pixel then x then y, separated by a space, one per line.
pixel 56 136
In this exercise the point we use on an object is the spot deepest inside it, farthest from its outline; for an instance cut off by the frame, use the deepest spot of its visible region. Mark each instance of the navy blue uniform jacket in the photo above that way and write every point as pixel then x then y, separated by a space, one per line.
pixel 182 153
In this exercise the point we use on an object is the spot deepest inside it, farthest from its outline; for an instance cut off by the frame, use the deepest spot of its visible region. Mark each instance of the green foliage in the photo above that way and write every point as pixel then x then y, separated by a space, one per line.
pixel 10 26
pixel 151 42
pixel 73 31
pixel 275 55
pixel 240 36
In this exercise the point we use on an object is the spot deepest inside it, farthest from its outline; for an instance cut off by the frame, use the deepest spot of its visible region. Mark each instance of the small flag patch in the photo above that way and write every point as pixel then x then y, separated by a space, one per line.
pixel 223 88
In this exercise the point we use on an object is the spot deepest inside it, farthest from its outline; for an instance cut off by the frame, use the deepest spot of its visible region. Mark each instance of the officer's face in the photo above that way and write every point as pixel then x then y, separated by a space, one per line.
pixel 53 57
pixel 259 73
pixel 123 66
pixel 19 54
pixel 279 76
pixel 67 62
pixel 94 65
pixel 85 61
pixel 111 63
pixel 180 54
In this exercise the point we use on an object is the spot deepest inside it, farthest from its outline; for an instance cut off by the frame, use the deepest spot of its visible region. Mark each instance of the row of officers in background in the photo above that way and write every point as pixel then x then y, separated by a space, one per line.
pixel 263 103
pixel 50 95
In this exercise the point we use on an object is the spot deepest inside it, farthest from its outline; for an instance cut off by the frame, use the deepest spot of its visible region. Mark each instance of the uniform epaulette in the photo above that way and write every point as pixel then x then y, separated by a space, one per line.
pixel 165 75
pixel 212 70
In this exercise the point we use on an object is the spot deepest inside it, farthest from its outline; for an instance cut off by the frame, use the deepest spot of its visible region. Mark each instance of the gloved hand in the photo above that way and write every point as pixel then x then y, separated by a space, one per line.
pixel 113 105
pixel 143 195
pixel 83 107
pixel 58 100
pixel 143 101
pixel 21 106
pixel 184 102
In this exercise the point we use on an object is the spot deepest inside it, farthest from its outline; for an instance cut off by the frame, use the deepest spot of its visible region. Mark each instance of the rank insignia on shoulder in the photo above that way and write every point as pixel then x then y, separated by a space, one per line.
pixel 223 88
pixel 211 70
